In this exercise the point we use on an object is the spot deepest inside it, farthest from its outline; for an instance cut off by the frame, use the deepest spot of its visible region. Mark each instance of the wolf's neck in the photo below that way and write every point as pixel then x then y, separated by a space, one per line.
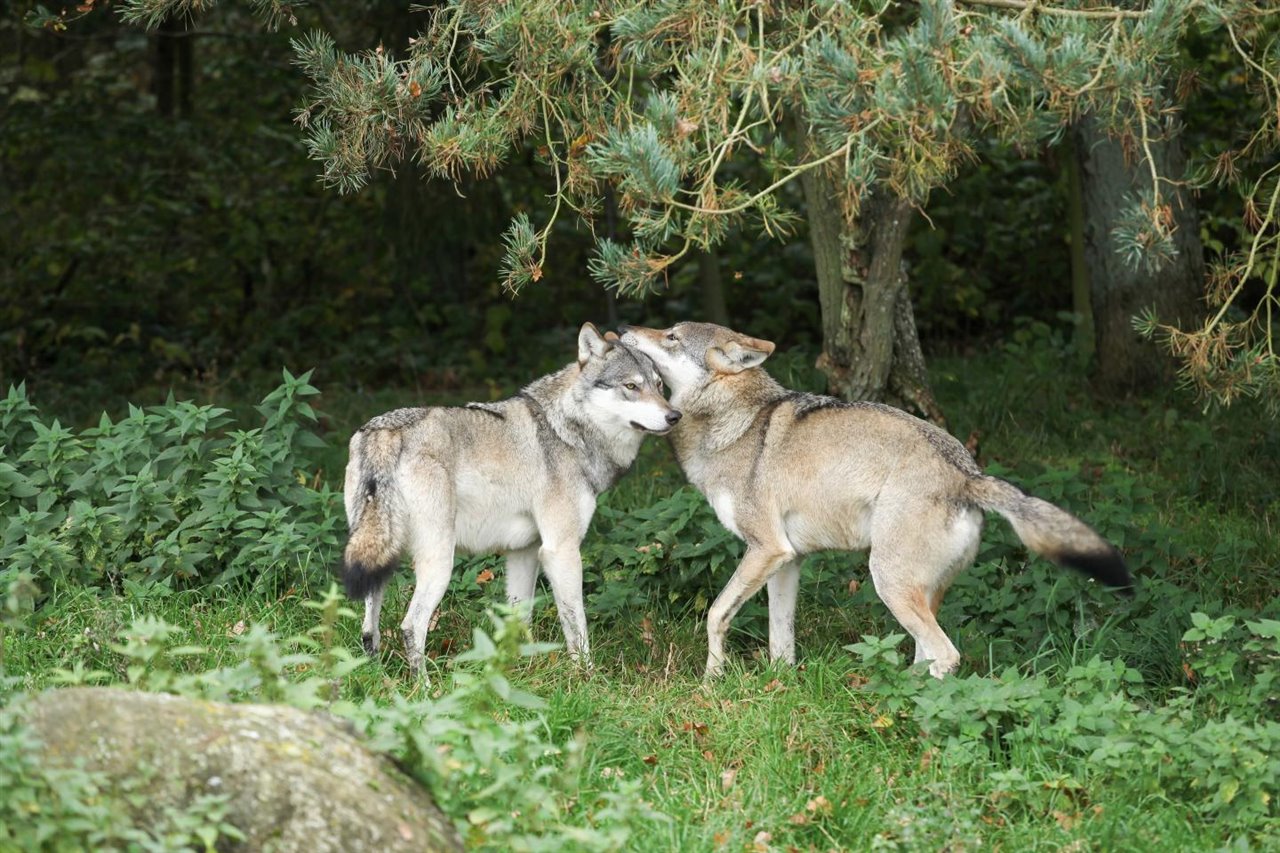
pixel 603 456
pixel 721 412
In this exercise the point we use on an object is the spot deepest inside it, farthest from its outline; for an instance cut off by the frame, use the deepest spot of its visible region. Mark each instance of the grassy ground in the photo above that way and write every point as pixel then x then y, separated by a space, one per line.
pixel 808 758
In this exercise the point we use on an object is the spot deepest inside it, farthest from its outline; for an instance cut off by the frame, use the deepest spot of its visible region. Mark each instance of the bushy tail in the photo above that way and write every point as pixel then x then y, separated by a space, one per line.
pixel 375 512
pixel 1054 533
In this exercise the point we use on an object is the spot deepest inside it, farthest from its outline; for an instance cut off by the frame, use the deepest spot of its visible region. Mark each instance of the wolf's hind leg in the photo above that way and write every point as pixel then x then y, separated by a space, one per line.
pixel 430 506
pixel 433 571
pixel 372 612
pixel 909 597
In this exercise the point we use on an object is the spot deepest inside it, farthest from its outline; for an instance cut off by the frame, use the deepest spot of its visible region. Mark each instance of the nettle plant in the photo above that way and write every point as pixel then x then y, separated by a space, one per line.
pixel 173 494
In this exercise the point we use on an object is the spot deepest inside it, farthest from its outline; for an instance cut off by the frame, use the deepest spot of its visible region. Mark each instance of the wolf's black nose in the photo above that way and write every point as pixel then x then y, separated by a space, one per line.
pixel 673 416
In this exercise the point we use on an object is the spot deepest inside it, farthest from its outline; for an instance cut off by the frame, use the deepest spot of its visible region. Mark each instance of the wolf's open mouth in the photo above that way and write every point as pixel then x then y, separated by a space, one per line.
pixel 643 428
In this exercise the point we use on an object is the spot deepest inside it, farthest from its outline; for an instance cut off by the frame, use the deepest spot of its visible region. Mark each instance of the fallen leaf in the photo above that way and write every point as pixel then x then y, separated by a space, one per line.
pixel 774 685
pixel 819 805
pixel 761 841
pixel 727 777
pixel 854 586
pixel 720 838
pixel 237 629
pixel 650 759
pixel 709 755
pixel 1065 820
pixel 884 721
pixel 484 577
pixel 799 818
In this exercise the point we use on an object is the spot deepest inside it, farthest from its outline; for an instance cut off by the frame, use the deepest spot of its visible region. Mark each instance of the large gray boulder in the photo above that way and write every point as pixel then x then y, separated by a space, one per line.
pixel 296 780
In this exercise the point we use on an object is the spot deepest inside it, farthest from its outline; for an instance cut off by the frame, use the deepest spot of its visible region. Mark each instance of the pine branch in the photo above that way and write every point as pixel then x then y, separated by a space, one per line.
pixel 1037 7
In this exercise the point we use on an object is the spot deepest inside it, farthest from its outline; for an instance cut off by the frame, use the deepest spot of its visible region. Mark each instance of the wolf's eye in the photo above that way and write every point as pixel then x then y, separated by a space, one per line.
pixel 631 386
pixel 671 336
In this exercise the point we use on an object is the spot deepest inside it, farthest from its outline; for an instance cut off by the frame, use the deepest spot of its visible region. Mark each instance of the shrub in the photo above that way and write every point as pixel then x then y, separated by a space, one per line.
pixel 1029 737
pixel 173 494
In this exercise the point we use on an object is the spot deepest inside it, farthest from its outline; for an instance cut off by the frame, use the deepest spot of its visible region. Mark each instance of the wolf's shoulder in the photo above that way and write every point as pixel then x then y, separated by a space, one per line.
pixel 396 419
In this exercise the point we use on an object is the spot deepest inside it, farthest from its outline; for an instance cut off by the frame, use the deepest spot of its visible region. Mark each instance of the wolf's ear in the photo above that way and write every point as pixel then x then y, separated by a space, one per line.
pixel 612 337
pixel 591 344
pixel 737 356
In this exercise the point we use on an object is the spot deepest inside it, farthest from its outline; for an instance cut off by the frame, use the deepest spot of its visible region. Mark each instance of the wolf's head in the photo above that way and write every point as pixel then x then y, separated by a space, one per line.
pixel 622 388
pixel 692 355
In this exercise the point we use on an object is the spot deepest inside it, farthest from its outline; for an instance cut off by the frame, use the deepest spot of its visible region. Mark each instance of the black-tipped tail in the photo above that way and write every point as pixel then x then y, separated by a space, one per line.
pixel 360 579
pixel 1107 567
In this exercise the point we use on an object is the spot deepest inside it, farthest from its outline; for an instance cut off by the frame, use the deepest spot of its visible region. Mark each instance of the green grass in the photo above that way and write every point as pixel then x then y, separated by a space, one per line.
pixel 798 753
pixel 808 755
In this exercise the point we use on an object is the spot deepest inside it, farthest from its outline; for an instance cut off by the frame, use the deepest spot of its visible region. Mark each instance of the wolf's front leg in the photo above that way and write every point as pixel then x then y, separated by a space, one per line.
pixel 783 587
pixel 522 579
pixel 563 567
pixel 756 567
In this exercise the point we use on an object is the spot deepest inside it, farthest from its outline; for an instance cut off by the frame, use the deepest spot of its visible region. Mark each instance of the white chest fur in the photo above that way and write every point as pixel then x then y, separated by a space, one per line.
pixel 722 503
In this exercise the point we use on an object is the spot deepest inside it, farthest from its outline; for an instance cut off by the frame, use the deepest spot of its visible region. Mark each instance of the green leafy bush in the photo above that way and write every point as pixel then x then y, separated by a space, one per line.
pixel 174 494
pixel 674 550
pixel 1032 737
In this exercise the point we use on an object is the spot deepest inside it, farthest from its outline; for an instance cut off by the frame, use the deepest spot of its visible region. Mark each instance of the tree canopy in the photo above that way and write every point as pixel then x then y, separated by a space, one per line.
pixel 693 115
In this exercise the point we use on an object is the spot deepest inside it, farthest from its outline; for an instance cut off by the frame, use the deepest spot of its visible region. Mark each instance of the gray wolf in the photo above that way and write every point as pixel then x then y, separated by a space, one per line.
pixel 519 477
pixel 790 473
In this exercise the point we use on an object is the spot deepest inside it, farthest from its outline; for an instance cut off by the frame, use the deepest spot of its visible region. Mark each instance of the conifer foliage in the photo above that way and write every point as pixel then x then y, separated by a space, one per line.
pixel 652 99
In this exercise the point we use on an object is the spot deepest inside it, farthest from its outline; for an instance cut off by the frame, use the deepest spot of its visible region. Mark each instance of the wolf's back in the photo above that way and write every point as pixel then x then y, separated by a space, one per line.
pixel 1053 532
pixel 375 511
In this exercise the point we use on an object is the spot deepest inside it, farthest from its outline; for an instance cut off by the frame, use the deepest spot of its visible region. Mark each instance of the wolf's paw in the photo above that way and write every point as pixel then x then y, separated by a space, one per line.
pixel 370 643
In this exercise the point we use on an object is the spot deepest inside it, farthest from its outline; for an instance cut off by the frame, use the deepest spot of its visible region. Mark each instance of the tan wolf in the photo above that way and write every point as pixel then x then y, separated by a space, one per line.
pixel 790 473
pixel 519 476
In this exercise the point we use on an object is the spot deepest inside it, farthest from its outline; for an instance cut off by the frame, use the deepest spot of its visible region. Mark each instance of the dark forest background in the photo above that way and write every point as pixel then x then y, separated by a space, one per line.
pixel 164 228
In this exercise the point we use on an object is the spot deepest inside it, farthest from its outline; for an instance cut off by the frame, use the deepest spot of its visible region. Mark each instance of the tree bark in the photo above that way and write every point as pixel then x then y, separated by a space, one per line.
pixel 1081 304
pixel 163 66
pixel 712 285
pixel 870 349
pixel 1126 362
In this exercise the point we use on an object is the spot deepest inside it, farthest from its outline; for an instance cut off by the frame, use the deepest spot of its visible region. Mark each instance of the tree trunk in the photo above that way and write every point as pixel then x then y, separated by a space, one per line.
pixel 162 66
pixel 870 348
pixel 712 285
pixel 1081 304
pixel 1126 362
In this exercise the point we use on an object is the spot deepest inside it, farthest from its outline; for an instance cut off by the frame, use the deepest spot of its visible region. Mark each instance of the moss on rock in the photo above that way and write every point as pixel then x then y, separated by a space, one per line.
pixel 295 780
